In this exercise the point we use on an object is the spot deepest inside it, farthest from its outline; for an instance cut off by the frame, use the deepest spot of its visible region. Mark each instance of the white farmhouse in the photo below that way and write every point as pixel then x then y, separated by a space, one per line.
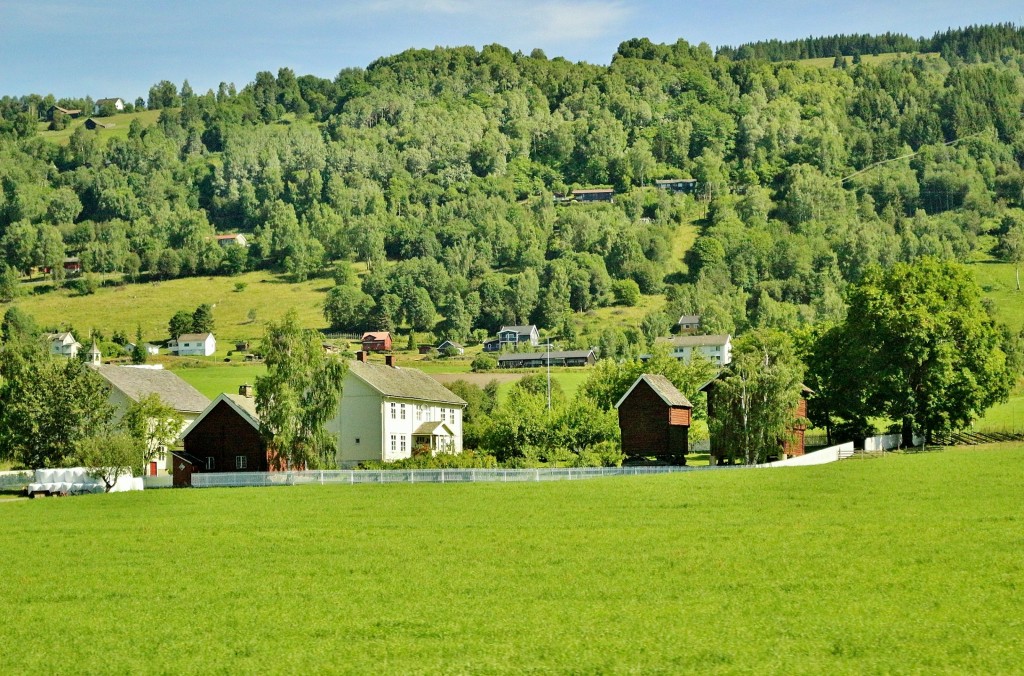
pixel 386 411
pixel 716 349
pixel 63 344
pixel 195 345
pixel 129 384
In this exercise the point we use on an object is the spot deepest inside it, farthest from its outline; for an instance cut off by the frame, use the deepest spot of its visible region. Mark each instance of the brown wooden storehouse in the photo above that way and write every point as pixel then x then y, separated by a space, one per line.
pixel 654 418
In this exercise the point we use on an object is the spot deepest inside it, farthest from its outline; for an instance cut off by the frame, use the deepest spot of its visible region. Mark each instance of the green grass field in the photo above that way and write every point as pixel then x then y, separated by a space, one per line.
pixel 212 380
pixel 872 59
pixel 122 122
pixel 152 305
pixel 998 283
pixel 901 564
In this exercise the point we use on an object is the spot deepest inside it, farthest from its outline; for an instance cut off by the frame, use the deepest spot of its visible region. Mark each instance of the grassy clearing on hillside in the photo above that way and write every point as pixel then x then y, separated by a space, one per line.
pixel 998 283
pixel 153 304
pixel 871 59
pixel 121 122
pixel 900 564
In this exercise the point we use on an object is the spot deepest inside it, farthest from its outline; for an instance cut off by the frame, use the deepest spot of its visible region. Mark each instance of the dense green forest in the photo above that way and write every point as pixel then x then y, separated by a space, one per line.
pixel 971 44
pixel 437 170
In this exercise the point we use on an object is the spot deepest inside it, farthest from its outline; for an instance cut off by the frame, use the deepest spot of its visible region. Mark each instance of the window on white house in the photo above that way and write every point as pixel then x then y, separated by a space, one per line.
pixel 402 408
pixel 241 462
pixel 394 408
pixel 394 443
pixel 419 413
pixel 209 462
pixel 444 417
pixel 404 444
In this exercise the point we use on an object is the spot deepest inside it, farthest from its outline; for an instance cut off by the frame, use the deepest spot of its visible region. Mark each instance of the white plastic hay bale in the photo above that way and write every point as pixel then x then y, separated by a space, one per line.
pixel 43 476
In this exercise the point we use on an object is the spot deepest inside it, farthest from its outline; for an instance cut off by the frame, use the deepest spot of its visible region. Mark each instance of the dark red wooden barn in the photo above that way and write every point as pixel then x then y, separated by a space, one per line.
pixel 654 419
pixel 376 341
pixel 789 447
pixel 226 436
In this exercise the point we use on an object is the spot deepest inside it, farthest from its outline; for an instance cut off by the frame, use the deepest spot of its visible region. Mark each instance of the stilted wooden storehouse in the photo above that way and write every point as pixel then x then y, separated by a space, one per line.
pixel 654 419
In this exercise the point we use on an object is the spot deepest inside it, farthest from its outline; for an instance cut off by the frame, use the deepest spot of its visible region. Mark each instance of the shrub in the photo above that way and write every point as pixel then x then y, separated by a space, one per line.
pixel 483 363
pixel 627 292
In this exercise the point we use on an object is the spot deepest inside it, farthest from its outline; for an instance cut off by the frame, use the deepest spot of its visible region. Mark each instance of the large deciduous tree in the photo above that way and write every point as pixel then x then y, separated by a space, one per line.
pixel 755 399
pixel 47 405
pixel 153 424
pixel 917 346
pixel 298 395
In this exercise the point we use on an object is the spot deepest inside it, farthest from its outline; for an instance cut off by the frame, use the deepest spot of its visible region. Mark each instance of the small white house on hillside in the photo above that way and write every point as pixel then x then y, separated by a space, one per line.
pixel 387 411
pixel 717 349
pixel 129 384
pixel 195 345
pixel 63 344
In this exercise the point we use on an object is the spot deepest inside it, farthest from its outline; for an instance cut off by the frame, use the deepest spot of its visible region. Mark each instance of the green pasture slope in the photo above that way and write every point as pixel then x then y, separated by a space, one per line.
pixel 907 563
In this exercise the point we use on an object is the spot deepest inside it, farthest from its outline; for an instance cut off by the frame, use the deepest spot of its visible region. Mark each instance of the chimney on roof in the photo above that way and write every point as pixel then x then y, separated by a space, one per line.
pixel 390 360
pixel 245 390
pixel 361 356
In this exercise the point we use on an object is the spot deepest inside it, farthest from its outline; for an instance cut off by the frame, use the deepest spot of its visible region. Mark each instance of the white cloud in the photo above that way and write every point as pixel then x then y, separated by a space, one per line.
pixel 522 20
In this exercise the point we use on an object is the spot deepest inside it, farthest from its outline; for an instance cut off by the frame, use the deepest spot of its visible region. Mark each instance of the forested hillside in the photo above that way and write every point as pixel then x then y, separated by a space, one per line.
pixel 438 169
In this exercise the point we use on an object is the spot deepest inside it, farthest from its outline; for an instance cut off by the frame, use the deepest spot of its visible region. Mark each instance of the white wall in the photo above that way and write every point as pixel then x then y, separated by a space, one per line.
pixel 825 455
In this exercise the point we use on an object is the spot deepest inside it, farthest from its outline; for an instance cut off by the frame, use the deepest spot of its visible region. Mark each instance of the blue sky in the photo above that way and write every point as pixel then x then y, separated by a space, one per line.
pixel 121 47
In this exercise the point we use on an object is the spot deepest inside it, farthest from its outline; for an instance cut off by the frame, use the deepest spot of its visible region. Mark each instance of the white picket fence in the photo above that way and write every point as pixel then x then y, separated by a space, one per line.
pixel 887 442
pixel 433 476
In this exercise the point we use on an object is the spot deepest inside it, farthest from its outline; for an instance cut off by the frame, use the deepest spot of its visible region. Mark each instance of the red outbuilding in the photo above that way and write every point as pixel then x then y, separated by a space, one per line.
pixel 377 341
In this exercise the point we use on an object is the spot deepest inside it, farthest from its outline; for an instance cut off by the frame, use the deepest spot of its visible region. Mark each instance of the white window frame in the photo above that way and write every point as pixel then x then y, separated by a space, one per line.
pixel 394 411
pixel 405 445
pixel 241 462
pixel 402 409
pixel 210 464
pixel 394 443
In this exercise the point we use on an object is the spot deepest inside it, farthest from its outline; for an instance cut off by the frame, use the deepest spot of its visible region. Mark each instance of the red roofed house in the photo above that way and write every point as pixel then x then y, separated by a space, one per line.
pixel 654 418
pixel 377 341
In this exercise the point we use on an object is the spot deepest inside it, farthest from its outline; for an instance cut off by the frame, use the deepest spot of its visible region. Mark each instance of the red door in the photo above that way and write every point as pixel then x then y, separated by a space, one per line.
pixel 152 469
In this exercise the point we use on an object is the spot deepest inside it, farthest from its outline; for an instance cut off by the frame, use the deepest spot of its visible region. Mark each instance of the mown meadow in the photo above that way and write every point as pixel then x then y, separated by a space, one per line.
pixel 904 563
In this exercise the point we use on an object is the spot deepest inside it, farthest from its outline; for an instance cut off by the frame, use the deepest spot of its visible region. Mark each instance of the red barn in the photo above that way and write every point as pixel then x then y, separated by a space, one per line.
pixel 226 436
pixel 377 341
pixel 654 418
pixel 790 447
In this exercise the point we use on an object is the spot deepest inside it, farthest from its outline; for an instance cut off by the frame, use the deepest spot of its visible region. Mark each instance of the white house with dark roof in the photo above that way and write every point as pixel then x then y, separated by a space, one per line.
pixel 510 337
pixel 129 384
pixel 195 345
pixel 387 410
pixel 63 344
pixel 716 349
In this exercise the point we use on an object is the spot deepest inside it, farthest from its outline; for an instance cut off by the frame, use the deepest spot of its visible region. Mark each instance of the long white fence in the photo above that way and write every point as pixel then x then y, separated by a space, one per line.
pixel 433 476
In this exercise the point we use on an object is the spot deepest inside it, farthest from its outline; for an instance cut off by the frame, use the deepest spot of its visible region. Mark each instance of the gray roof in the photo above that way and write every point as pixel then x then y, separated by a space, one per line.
pixel 662 387
pixel 555 354
pixel 431 428
pixel 529 328
pixel 247 404
pixel 136 383
pixel 403 383
pixel 689 319
pixel 189 337
pixel 695 341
